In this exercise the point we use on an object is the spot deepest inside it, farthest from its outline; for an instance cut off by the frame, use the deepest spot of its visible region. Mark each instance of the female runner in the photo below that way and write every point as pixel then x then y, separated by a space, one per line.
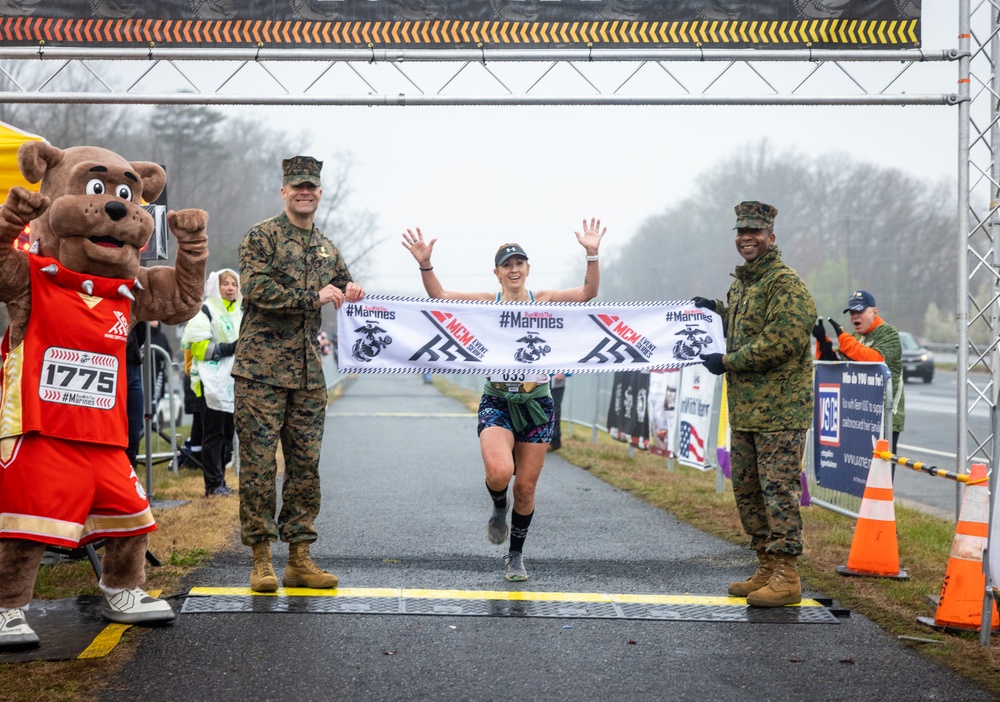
pixel 505 440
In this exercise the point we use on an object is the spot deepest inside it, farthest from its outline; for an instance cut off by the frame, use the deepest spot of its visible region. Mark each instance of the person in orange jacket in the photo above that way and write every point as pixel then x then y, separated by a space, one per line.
pixel 872 340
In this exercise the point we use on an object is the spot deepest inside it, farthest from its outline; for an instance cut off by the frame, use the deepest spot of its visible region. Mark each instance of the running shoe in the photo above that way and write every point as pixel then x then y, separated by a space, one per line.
pixel 496 527
pixel 514 567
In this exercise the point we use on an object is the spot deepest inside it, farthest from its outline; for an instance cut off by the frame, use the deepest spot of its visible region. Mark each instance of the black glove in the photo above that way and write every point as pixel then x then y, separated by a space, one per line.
pixel 224 349
pixel 819 331
pixel 705 303
pixel 826 352
pixel 713 361
pixel 837 329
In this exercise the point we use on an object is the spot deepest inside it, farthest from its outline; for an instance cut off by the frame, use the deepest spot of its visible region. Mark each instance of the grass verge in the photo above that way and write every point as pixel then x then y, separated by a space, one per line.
pixel 924 544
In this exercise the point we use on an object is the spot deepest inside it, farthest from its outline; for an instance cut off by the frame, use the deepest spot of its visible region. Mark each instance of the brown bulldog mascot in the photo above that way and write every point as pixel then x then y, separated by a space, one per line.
pixel 64 477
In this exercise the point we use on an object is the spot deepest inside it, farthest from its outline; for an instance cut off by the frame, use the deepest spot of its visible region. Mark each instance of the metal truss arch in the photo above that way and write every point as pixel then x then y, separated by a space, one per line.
pixel 584 76
pixel 476 76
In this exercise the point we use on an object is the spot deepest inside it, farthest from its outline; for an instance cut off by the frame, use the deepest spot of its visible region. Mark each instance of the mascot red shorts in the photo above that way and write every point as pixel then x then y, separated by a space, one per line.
pixel 68 493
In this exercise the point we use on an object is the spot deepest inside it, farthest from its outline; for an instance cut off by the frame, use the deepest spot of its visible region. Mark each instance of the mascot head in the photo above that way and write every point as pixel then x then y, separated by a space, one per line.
pixel 96 223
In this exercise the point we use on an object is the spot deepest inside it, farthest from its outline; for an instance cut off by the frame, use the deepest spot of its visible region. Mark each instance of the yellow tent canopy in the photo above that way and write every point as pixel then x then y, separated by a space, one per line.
pixel 11 139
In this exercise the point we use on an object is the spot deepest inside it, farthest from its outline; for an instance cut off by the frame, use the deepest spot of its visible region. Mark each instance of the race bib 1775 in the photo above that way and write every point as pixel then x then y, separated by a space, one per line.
pixel 79 378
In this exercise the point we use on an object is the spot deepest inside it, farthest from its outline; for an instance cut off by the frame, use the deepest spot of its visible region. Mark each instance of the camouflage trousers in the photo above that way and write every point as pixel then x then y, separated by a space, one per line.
pixel 767 482
pixel 264 414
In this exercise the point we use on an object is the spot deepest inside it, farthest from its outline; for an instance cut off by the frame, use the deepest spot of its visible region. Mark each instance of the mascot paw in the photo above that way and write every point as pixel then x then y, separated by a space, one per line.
pixel 14 630
pixel 188 225
pixel 135 606
pixel 22 206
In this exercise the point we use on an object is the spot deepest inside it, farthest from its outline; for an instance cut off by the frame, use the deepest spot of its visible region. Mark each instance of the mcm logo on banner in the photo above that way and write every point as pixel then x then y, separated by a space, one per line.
pixel 454 342
pixel 620 344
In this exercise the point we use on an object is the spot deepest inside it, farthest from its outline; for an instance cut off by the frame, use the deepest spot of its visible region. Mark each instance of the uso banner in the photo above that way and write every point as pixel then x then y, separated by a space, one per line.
pixel 628 416
pixel 463 23
pixel 850 410
pixel 520 339
pixel 694 417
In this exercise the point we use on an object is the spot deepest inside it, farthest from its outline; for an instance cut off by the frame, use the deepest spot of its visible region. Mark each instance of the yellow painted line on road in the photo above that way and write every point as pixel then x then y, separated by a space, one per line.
pixel 512 596
pixel 109 637
pixel 105 642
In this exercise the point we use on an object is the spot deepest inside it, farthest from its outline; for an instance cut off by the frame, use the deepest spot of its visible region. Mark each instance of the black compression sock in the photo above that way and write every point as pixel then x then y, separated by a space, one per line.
pixel 499 497
pixel 519 529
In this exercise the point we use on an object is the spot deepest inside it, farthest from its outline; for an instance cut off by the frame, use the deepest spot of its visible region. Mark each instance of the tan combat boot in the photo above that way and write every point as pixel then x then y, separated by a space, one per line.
pixel 262 575
pixel 765 568
pixel 302 572
pixel 784 587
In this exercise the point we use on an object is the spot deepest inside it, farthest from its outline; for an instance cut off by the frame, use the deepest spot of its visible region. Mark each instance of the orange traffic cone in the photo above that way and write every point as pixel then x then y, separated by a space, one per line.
pixel 875 550
pixel 964 589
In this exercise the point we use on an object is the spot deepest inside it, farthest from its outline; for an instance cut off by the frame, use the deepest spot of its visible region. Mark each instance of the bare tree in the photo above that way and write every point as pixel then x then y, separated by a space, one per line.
pixel 881 229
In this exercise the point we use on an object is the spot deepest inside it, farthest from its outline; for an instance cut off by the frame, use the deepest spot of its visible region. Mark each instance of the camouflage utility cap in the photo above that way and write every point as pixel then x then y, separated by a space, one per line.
pixel 301 169
pixel 755 215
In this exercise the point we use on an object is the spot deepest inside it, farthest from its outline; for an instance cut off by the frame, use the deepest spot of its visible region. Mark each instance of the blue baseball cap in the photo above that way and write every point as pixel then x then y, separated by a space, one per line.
pixel 859 301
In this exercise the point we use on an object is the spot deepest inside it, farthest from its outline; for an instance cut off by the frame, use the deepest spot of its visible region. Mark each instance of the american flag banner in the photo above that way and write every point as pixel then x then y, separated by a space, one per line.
pixel 692 445
pixel 695 404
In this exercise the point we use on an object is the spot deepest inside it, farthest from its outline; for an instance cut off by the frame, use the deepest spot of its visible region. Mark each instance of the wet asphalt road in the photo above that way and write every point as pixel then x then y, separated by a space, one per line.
pixel 405 506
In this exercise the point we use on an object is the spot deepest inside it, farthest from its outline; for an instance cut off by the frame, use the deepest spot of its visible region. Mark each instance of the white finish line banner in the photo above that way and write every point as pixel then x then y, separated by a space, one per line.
pixel 410 335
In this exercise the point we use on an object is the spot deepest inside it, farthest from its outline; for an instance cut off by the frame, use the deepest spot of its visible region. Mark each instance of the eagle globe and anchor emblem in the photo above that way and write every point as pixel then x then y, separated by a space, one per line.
pixel 693 340
pixel 534 348
pixel 372 342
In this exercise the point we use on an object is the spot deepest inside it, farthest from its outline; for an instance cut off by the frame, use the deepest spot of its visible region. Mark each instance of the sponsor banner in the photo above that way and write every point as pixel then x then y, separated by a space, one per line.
pixel 628 419
pixel 850 404
pixel 694 416
pixel 521 340
pixel 464 23
pixel 663 387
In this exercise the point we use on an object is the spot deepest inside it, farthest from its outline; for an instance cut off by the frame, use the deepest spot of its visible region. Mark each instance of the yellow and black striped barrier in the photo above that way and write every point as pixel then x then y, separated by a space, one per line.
pixel 436 33
pixel 930 470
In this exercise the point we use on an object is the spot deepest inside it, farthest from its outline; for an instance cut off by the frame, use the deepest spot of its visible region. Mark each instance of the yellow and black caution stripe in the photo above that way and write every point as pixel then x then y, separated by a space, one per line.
pixel 827 33
pixel 502 603
pixel 930 470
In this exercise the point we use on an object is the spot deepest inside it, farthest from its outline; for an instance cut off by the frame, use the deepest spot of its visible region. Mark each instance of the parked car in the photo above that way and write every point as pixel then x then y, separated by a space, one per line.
pixel 918 362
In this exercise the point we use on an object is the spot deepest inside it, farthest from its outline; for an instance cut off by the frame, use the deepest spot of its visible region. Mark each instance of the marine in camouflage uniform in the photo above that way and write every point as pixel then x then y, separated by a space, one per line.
pixel 768 316
pixel 286 272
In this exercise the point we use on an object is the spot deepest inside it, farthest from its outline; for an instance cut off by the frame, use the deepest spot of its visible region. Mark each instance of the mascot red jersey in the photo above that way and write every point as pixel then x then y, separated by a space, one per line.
pixel 65 479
